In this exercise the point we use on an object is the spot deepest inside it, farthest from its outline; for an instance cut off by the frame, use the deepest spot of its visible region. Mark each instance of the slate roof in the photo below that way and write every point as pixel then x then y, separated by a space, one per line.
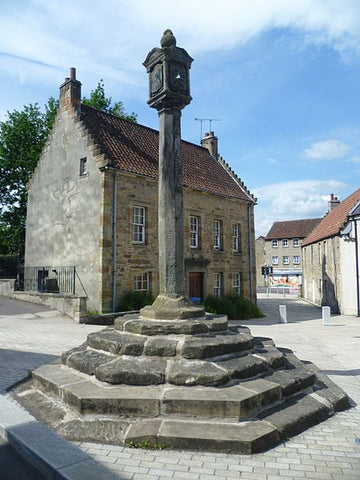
pixel 292 228
pixel 333 222
pixel 134 148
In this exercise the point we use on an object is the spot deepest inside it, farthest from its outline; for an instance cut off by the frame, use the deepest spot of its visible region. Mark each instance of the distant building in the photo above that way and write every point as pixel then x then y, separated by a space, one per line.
pixel 92 204
pixel 282 250
pixel 331 258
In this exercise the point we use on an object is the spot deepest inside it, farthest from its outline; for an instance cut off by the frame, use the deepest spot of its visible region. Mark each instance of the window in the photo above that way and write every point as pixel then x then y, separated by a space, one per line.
pixel 275 260
pixel 275 244
pixel 312 254
pixel 236 237
pixel 217 284
pixel 83 166
pixel 138 221
pixel 286 260
pixel 296 260
pixel 194 232
pixel 236 284
pixel 296 242
pixel 285 242
pixel 142 282
pixel 217 234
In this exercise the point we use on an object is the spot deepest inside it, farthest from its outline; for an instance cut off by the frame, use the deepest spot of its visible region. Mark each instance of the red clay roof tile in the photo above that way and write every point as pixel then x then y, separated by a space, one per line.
pixel 292 228
pixel 332 223
pixel 135 148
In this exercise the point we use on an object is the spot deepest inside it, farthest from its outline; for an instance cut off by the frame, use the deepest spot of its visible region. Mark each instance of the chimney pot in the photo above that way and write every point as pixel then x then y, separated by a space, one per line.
pixel 73 73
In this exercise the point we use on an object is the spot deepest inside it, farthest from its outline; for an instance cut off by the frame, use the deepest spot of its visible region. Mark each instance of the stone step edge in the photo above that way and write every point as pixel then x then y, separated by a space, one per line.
pixel 160 401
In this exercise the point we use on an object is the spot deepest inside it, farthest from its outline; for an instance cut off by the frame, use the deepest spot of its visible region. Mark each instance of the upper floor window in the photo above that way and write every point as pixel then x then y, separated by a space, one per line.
pixel 236 284
pixel 286 260
pixel 296 242
pixel 296 259
pixel 285 242
pixel 138 223
pixel 194 232
pixel 218 284
pixel 142 282
pixel 274 243
pixel 236 237
pixel 275 260
pixel 83 167
pixel 217 234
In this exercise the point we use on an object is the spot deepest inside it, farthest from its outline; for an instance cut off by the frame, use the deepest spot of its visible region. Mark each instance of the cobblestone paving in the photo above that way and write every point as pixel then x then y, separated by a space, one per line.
pixel 328 451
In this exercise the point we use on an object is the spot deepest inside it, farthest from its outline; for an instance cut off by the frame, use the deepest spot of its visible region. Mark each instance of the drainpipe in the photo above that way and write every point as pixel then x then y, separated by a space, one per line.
pixel 113 279
pixel 357 265
pixel 251 286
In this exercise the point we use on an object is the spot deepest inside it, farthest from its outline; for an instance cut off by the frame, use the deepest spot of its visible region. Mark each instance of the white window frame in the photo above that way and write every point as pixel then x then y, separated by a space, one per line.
pixel 236 283
pixel 236 237
pixel 285 242
pixel 218 280
pixel 138 224
pixel 286 260
pixel 194 231
pixel 217 234
pixel 142 282
pixel 274 244
pixel 275 260
pixel 83 167
pixel 298 260
pixel 296 242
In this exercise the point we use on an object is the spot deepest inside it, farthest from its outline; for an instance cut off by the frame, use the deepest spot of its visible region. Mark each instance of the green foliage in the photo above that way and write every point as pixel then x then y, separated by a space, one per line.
pixel 93 313
pixel 146 444
pixel 133 300
pixel 22 138
pixel 235 307
pixel 99 101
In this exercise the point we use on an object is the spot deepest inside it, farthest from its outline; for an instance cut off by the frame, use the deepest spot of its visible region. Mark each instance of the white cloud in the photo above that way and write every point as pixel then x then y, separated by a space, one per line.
pixel 327 150
pixel 292 201
pixel 119 33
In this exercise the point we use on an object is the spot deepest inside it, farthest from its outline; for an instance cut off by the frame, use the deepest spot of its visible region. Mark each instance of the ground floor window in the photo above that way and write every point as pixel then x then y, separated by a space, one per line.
pixel 236 284
pixel 142 282
pixel 218 284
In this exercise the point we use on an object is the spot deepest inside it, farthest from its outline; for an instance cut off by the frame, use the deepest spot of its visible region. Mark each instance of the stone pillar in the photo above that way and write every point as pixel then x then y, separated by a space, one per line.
pixel 170 206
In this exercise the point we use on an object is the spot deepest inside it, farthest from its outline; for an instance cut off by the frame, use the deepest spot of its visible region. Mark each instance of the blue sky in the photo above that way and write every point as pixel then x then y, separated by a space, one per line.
pixel 282 76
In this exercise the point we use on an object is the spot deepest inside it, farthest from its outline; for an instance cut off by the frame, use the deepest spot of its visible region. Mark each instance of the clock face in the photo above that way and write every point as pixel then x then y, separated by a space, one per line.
pixel 178 77
pixel 156 79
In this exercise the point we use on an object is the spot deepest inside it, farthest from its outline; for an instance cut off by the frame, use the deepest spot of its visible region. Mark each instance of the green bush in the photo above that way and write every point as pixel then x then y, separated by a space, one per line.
pixel 235 307
pixel 133 300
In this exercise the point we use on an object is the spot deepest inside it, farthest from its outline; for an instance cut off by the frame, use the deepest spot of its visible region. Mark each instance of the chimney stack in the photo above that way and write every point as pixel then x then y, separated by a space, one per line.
pixel 333 202
pixel 210 142
pixel 70 92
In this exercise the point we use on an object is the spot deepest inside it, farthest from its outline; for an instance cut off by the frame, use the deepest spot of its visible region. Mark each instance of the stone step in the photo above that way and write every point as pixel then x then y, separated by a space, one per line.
pixel 146 326
pixel 89 396
pixel 242 438
pixel 293 381
pixel 297 415
pixel 208 346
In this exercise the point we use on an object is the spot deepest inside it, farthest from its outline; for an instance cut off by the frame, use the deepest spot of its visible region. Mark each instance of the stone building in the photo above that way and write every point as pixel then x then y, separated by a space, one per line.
pixel 331 259
pixel 282 249
pixel 92 204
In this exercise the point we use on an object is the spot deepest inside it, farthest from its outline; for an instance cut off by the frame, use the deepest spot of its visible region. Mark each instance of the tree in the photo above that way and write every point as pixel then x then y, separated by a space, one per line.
pixel 22 138
pixel 99 101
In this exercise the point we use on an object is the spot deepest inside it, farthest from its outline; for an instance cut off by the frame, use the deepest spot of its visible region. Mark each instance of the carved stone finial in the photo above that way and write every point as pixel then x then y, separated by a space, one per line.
pixel 168 39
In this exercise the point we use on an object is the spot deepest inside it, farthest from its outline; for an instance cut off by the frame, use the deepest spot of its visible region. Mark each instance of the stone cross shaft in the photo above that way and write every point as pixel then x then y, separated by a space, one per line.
pixel 170 196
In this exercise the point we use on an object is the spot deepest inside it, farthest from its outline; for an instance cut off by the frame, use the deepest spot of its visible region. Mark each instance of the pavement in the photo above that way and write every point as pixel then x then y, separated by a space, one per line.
pixel 31 336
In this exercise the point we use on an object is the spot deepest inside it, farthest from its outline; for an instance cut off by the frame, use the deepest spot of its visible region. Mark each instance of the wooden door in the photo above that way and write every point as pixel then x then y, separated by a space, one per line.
pixel 196 286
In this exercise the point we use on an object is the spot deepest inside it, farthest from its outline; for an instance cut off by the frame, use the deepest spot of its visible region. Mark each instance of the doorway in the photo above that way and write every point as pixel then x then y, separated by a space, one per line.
pixel 196 286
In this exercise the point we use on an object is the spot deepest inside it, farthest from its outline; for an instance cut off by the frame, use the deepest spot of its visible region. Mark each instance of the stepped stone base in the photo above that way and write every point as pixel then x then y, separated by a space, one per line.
pixel 158 381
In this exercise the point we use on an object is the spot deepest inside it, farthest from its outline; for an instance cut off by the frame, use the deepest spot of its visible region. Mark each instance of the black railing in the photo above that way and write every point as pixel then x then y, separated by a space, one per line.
pixel 47 279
